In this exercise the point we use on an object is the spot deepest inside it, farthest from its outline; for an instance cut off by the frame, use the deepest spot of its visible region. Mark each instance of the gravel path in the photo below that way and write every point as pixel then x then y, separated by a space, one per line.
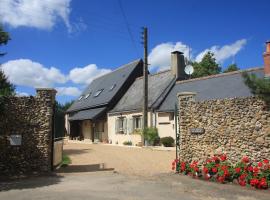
pixel 125 160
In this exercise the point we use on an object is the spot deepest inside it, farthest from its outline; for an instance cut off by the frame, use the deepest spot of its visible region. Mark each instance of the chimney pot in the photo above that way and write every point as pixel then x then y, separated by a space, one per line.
pixel 266 57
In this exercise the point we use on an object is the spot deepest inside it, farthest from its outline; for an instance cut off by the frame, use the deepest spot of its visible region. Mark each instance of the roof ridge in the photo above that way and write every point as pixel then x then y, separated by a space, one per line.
pixel 220 75
pixel 118 68
pixel 155 74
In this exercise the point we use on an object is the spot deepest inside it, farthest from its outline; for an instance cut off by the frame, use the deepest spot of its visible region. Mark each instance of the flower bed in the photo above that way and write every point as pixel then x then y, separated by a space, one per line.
pixel 220 169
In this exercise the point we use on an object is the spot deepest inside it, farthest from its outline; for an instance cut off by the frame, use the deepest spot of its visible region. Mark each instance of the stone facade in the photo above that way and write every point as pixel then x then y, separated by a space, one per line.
pixel 236 126
pixel 32 119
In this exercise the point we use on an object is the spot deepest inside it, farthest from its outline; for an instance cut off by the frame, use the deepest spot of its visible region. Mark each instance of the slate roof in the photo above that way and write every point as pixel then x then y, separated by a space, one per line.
pixel 87 114
pixel 118 77
pixel 158 85
pixel 226 85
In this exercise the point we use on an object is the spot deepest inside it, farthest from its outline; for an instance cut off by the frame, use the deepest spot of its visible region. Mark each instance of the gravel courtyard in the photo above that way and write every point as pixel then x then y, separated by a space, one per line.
pixel 124 160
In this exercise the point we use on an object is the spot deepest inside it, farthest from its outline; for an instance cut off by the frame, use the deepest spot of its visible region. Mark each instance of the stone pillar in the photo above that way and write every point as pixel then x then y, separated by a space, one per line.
pixel 46 99
pixel 185 99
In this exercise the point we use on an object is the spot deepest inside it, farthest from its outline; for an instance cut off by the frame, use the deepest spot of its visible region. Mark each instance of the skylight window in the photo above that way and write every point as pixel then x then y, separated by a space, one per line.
pixel 112 87
pixel 80 98
pixel 98 93
pixel 86 96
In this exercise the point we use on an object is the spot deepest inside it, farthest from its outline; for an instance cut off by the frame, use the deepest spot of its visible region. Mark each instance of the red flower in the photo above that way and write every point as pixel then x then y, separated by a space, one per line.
pixel 266 161
pixel 215 158
pixel 256 170
pixel 214 170
pixel 237 170
pixel 243 176
pixel 254 182
pixel 263 183
pixel 260 164
pixel 205 170
pixel 250 168
pixel 221 179
pixel 223 157
pixel 245 159
pixel 242 182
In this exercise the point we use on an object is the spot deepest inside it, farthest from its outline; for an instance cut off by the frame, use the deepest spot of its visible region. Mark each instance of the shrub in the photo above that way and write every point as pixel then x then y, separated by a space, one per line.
pixel 129 143
pixel 167 141
pixel 65 161
pixel 151 135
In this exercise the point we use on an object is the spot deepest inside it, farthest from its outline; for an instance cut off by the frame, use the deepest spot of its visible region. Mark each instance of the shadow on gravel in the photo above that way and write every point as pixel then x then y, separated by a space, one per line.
pixel 84 168
pixel 76 151
pixel 29 182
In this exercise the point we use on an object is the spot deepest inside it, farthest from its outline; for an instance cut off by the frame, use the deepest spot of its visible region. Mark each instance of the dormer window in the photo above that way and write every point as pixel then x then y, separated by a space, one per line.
pixel 98 93
pixel 86 96
pixel 112 87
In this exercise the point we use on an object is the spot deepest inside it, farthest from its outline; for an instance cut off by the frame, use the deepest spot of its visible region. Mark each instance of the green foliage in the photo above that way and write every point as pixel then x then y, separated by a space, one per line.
pixel 207 66
pixel 6 88
pixel 151 134
pixel 258 86
pixel 167 141
pixel 63 107
pixel 231 68
pixel 65 161
pixel 128 143
pixel 4 38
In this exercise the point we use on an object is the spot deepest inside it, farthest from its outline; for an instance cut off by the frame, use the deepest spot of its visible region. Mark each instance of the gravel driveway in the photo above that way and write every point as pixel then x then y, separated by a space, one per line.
pixel 124 160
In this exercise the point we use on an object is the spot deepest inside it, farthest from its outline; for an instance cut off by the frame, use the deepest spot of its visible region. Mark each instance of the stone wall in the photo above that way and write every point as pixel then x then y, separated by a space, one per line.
pixel 32 118
pixel 237 126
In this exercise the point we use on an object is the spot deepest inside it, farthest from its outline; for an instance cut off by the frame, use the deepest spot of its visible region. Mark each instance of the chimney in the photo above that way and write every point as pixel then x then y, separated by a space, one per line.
pixel 266 57
pixel 178 65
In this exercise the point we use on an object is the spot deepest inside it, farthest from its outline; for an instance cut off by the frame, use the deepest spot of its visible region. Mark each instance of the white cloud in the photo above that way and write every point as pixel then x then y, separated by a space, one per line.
pixel 68 91
pixel 22 94
pixel 160 55
pixel 42 14
pixel 25 72
pixel 86 74
pixel 224 52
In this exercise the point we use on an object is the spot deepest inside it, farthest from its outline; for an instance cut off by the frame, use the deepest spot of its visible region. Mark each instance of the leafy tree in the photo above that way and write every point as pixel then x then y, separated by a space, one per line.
pixel 231 68
pixel 207 66
pixel 63 107
pixel 6 88
pixel 4 38
pixel 258 86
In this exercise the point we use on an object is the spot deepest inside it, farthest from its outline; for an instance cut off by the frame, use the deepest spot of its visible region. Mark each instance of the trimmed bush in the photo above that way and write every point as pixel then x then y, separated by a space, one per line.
pixel 167 141
pixel 128 143
pixel 151 135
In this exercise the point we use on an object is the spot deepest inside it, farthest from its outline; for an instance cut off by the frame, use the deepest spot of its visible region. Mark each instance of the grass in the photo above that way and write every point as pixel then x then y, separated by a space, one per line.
pixel 65 161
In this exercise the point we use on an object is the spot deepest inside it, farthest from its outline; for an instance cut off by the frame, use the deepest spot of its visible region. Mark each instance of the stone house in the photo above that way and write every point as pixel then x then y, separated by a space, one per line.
pixel 125 119
pixel 87 117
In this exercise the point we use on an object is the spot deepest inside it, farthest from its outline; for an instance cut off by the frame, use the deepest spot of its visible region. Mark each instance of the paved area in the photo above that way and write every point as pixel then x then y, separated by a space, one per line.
pixel 125 160
pixel 103 172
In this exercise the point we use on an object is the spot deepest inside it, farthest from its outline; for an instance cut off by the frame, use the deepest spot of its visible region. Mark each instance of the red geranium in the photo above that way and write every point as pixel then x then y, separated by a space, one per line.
pixel 237 170
pixel 254 182
pixel 214 170
pixel 260 164
pixel 255 169
pixel 221 179
pixel 245 159
pixel 266 161
pixel 223 157
pixel 250 168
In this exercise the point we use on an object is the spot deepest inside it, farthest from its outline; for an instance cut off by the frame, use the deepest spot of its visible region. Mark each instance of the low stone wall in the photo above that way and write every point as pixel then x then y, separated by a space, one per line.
pixel 238 127
pixel 30 118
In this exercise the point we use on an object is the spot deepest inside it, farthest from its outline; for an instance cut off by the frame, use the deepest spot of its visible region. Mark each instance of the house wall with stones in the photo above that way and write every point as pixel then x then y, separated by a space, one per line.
pixel 32 118
pixel 237 127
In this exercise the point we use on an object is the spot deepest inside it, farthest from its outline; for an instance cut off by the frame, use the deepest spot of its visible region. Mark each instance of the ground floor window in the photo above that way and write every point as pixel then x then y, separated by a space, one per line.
pixel 121 125
pixel 137 122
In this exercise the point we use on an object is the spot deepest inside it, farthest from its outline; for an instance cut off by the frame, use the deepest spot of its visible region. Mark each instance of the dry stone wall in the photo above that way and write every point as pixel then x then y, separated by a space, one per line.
pixel 236 126
pixel 32 119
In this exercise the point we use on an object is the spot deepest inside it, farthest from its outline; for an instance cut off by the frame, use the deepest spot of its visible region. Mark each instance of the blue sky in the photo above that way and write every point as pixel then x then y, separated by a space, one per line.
pixel 66 43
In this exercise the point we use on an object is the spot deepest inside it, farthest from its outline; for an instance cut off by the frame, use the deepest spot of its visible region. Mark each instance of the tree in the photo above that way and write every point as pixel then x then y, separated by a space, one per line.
pixel 207 66
pixel 231 68
pixel 4 38
pixel 258 86
pixel 6 88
